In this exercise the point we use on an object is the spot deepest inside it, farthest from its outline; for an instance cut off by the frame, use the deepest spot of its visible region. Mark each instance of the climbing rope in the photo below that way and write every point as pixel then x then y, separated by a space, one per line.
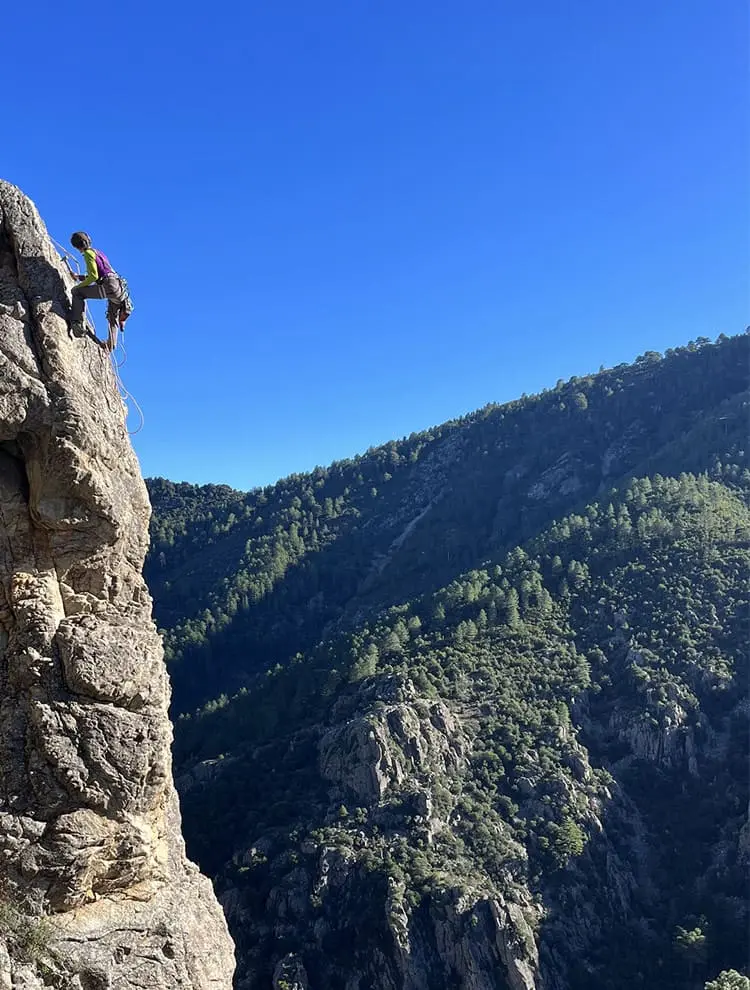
pixel 70 261
pixel 120 348
pixel 125 395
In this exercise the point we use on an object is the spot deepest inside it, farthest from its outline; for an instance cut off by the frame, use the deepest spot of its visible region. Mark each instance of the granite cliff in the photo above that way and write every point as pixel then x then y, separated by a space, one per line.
pixel 95 888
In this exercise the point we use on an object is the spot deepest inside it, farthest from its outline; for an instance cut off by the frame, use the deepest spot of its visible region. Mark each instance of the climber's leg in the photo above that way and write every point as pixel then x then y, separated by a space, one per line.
pixel 116 296
pixel 79 295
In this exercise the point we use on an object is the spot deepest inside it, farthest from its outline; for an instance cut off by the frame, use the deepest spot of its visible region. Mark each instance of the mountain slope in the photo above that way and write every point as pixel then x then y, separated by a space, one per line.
pixel 244 581
pixel 492 725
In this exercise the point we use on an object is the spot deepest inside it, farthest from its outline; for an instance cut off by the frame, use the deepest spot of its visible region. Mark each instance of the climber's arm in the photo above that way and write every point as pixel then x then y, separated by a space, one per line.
pixel 92 272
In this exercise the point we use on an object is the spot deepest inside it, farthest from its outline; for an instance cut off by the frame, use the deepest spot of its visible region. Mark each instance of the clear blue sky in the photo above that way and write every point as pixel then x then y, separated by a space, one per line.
pixel 346 220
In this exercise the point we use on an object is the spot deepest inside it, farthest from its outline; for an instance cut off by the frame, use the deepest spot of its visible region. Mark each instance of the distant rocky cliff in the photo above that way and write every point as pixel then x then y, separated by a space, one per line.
pixel 95 889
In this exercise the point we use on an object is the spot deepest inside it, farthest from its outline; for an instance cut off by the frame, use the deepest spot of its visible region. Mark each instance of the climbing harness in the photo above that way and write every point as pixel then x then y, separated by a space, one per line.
pixel 116 334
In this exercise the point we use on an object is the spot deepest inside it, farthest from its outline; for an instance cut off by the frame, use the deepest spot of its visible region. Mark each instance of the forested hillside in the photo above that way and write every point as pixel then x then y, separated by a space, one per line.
pixel 473 706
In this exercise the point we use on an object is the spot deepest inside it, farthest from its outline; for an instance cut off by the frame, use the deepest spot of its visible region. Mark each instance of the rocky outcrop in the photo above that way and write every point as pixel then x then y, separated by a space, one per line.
pixel 384 940
pixel 487 940
pixel 344 903
pixel 560 479
pixel 370 754
pixel 664 727
pixel 92 865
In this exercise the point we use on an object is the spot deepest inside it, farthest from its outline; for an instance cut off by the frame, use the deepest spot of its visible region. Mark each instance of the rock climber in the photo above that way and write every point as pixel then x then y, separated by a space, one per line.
pixel 101 281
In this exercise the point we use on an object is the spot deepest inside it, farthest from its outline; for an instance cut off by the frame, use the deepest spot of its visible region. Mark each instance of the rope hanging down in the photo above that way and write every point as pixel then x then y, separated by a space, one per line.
pixel 125 395
pixel 71 261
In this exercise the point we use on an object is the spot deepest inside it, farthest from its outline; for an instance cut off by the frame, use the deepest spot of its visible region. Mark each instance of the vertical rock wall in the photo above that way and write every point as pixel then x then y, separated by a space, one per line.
pixel 89 821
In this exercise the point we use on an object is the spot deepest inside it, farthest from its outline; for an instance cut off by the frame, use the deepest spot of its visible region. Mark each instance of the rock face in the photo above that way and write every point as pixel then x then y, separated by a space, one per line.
pixel 370 754
pixel 90 832
pixel 389 754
